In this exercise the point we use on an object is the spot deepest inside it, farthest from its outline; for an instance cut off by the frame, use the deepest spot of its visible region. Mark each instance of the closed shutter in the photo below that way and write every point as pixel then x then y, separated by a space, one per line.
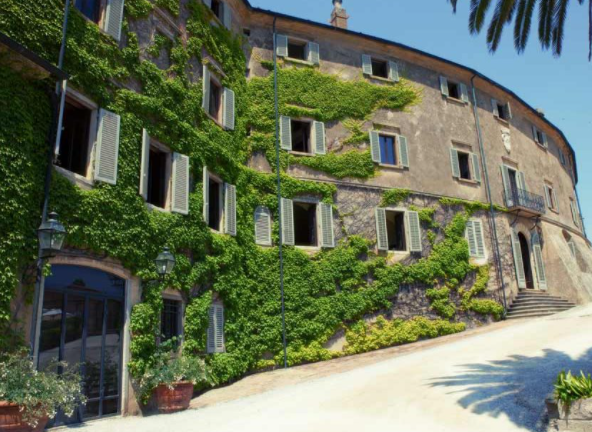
pixel 205 102
pixel 206 195
pixel 414 228
pixel 114 18
pixel 495 107
pixel 230 209
pixel 319 138
pixel 375 146
pixel 212 330
pixel 479 238
pixel 476 168
pixel 314 53
pixel 470 235
pixel 381 230
pixel 444 86
pixel 507 190
pixel 548 196
pixel 518 263
pixel 107 147
pixel 282 45
pixel 535 134
pixel 538 261
pixel 216 329
pixel 521 179
pixel 287 216
pixel 403 151
pixel 286 132
pixel 574 213
pixel 228 115
pixel 545 140
pixel 367 64
pixel 144 164
pixel 464 93
pixel 393 71
pixel 263 226
pixel 227 14
pixel 326 218
pixel 454 163
pixel 509 110
pixel 180 184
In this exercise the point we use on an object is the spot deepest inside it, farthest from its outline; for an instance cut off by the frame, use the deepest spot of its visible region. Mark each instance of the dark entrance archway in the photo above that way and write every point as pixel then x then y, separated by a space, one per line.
pixel 526 261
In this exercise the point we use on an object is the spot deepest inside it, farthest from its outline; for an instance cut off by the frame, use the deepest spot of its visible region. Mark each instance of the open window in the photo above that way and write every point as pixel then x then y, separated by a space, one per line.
pixel 551 197
pixel 297 49
pixel 90 8
pixel 454 89
pixel 107 14
pixel 540 137
pixel 302 136
pixel 307 224
pixel 501 111
pixel 380 68
pixel 171 320
pixel 215 333
pixel 221 10
pixel 389 149
pixel 76 139
pixel 465 165
pixel 398 230
pixel 219 204
pixel 218 101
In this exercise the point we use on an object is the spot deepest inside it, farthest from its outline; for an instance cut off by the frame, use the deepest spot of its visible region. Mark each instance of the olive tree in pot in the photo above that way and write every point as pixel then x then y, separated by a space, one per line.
pixel 30 398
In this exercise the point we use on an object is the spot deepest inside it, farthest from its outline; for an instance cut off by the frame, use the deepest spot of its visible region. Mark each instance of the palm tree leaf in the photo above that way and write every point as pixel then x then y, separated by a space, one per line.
pixel 454 4
pixel 559 16
pixel 504 9
pixel 479 10
pixel 546 8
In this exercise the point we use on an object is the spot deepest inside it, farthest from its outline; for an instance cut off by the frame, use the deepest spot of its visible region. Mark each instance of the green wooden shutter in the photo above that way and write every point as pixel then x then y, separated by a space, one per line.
pixel 282 45
pixel 326 219
pixel 287 216
pixel 539 262
pixel 180 182
pixel 476 168
pixel 367 64
pixel 444 86
pixel 314 55
pixel 263 226
pixel 521 178
pixel 114 18
pixel 574 213
pixel 470 235
pixel 414 228
pixel 106 160
pixel 479 238
pixel 518 263
pixel 230 209
pixel 228 114
pixel 215 329
pixel 394 71
pixel 381 230
pixel 495 107
pixel 319 138
pixel 548 196
pixel 205 102
pixel 545 140
pixel 509 110
pixel 507 189
pixel 375 146
pixel 403 151
pixel 535 134
pixel 211 329
pixel 455 163
pixel 206 195
pixel 227 14
pixel 286 132
pixel 144 164
pixel 464 93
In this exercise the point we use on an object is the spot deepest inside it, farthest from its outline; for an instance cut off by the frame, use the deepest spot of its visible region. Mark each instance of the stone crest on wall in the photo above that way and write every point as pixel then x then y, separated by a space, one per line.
pixel 506 139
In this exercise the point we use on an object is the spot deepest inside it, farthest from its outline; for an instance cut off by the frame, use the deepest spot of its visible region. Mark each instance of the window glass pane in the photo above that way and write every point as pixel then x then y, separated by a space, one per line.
pixel 157 178
pixel 86 280
pixel 214 205
pixel 112 349
pixel 387 150
pixel 51 329
pixel 89 8
pixel 464 163
pixel 170 319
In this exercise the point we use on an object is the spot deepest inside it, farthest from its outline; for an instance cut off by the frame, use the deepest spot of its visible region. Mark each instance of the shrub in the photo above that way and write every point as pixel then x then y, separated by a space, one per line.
pixel 569 388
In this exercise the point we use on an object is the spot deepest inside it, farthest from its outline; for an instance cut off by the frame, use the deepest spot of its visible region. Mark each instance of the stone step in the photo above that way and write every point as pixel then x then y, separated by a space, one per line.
pixel 533 292
pixel 529 315
pixel 526 302
pixel 539 308
pixel 538 298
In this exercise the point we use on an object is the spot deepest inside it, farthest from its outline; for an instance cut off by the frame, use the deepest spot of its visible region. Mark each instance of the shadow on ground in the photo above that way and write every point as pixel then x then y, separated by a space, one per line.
pixel 516 387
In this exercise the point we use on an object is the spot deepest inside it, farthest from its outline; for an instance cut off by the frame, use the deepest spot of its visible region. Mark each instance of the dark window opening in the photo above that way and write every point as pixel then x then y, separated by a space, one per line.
pixel 215 203
pixel 379 68
pixel 300 136
pixel 513 182
pixel 297 50
pixel 74 140
pixel 305 224
pixel 169 320
pixel 247 32
pixel 89 8
pixel 551 197
pixel 465 166
pixel 453 90
pixel 217 8
pixel 540 137
pixel 157 166
pixel 388 150
pixel 215 100
pixel 503 112
pixel 395 225
pixel 526 261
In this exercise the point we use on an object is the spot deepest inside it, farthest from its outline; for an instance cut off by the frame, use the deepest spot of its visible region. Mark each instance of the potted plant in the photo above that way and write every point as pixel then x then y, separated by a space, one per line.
pixel 171 379
pixel 30 398
pixel 574 396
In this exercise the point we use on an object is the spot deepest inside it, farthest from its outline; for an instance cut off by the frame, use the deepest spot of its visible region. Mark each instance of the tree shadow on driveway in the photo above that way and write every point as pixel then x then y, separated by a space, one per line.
pixel 516 387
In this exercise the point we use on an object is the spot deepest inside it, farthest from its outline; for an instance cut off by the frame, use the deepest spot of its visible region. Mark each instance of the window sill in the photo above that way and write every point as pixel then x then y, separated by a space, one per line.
pixel 381 79
pixel 300 62
pixel 468 182
pixel 153 207
pixel 392 167
pixel 456 101
pixel 502 121
pixel 78 180
pixel 303 154
pixel 308 248
pixel 542 147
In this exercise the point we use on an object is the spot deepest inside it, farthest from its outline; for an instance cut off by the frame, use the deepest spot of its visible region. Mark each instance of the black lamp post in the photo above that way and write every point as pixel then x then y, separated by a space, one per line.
pixel 51 235
pixel 165 262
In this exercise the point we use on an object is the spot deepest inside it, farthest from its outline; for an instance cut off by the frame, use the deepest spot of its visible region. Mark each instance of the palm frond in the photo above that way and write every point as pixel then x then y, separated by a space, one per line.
pixel 503 10
pixel 479 10
pixel 454 4
pixel 523 24
pixel 590 29
pixel 559 17
pixel 546 8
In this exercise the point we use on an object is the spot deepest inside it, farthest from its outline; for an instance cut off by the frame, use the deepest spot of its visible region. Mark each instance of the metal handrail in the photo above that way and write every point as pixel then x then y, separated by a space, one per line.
pixel 522 198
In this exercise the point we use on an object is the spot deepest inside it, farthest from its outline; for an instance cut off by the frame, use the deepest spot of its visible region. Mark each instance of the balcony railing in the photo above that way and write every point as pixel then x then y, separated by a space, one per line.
pixel 524 201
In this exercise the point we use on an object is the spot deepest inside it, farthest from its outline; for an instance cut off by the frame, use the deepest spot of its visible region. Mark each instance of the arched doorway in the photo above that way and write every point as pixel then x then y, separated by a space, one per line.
pixel 526 261
pixel 82 323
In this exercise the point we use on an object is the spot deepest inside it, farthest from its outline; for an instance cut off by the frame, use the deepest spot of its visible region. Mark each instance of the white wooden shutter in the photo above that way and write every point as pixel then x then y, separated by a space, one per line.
pixel 286 132
pixel 114 18
pixel 455 163
pixel 180 184
pixel 521 179
pixel 479 238
pixel 403 151
pixel 145 161
pixel 381 230
pixel 545 140
pixel 464 93
pixel 228 114
pixel 476 168
pixel 470 235
pixel 518 263
pixel 230 209
pixel 508 194
pixel 367 64
pixel 495 107
pixel 313 53
pixel 574 213
pixel 535 134
pixel 107 147
pixel 414 227
pixel 287 216
pixel 227 15
pixel 205 103
pixel 444 86
pixel 216 329
pixel 375 146
pixel 206 195
pixel 319 138
pixel 509 110
pixel 393 71
pixel 263 226
pixel 282 45
pixel 326 225
pixel 538 262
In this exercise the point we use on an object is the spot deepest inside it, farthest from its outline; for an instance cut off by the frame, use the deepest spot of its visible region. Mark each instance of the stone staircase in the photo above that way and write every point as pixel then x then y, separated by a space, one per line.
pixel 532 304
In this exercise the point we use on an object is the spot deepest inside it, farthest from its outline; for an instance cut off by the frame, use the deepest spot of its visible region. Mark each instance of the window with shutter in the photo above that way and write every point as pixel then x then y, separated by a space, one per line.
pixel 454 90
pixel 205 103
pixel 471 240
pixel 263 226
pixel 479 239
pixel 501 111
pixel 414 229
pixel 381 229
pixel 575 213
pixel 206 195
pixel 476 168
pixel 114 18
pixel 319 138
pixel 215 331
pixel 375 146
pixel 326 219
pixel 286 132
pixel 393 71
pixel 572 248
pixel 308 223
pixel 180 194
pixel 287 217
pixel 367 64
pixel 518 262
pixel 215 203
pixel 144 164
pixel 313 53
pixel 107 147
pixel 539 262
pixel 156 170
pixel 229 109
pixel 282 45
pixel 465 166
pixel 403 151
pixel 227 16
pixel 230 209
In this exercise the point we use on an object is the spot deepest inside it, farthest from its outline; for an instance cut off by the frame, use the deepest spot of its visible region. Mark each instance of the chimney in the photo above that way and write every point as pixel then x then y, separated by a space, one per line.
pixel 339 16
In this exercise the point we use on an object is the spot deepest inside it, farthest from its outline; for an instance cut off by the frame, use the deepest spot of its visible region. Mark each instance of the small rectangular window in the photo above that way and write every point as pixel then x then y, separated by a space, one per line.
pixel 454 90
pixel 395 225
pixel 158 176
pixel 503 112
pixel 90 9
pixel 215 204
pixel 217 8
pixel 388 150
pixel 380 68
pixel 464 163
pixel 305 224
pixel 297 50
pixel 170 320
pixel 74 142
pixel 215 99
pixel 301 136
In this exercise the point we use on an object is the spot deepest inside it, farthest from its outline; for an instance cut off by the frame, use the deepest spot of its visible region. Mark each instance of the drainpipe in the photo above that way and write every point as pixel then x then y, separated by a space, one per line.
pixel 61 87
pixel 279 189
pixel 492 211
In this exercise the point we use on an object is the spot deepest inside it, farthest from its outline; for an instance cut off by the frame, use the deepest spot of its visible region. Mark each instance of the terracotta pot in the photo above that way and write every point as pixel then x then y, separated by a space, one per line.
pixel 173 400
pixel 11 419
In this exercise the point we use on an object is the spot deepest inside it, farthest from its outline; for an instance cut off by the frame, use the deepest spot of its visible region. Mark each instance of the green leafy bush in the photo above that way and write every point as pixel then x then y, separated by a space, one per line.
pixel 569 388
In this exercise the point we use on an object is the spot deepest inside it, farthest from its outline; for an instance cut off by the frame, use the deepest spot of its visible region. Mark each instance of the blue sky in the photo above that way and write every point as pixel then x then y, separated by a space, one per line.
pixel 561 86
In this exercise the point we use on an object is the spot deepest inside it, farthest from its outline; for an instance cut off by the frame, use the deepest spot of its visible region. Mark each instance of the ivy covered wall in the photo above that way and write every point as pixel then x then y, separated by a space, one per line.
pixel 325 292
